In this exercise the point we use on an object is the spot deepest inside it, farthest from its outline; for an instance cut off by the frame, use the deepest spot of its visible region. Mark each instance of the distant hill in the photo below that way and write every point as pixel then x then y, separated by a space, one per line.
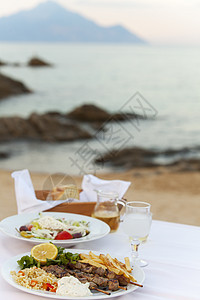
pixel 50 22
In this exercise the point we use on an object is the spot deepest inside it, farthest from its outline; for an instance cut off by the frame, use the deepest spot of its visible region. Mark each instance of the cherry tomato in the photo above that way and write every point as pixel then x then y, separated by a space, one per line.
pixel 29 227
pixel 63 235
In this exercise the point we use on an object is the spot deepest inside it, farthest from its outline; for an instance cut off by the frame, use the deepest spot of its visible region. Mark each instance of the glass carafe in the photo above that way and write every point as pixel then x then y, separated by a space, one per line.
pixel 107 209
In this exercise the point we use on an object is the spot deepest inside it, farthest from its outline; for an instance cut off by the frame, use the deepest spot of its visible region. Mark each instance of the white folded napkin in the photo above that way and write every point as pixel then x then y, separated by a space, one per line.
pixel 91 183
pixel 25 195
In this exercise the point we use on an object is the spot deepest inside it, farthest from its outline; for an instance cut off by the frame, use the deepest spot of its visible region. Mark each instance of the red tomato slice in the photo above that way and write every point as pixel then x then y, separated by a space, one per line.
pixel 63 235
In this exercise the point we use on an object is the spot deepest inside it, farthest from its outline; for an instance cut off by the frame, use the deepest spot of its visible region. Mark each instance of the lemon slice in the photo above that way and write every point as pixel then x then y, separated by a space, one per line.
pixel 43 251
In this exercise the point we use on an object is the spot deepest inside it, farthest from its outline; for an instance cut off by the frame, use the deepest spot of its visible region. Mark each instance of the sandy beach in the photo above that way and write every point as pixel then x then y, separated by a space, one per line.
pixel 174 195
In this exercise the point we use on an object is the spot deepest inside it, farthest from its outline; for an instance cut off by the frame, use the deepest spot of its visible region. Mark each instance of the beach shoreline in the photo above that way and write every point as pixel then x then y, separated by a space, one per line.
pixel 174 196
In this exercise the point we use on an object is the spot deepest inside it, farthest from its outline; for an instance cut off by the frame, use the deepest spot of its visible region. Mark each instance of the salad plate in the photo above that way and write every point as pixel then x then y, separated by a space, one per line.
pixel 11 265
pixel 94 228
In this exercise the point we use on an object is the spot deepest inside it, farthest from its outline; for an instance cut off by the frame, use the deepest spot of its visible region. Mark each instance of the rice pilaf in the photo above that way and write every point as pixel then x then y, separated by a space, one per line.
pixel 35 278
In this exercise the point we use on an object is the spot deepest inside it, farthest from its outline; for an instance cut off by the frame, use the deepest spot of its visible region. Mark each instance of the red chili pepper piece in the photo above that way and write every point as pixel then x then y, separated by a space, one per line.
pixel 47 286
pixel 33 282
pixel 21 272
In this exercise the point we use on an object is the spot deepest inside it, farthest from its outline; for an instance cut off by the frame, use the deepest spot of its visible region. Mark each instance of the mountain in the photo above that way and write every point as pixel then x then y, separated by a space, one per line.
pixel 50 22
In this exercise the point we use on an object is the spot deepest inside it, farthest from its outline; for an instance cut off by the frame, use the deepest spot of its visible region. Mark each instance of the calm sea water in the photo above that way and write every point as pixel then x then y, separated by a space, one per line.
pixel 105 75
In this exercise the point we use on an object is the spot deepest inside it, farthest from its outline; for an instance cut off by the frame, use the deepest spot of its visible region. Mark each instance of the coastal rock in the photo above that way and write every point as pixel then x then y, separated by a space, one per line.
pixel 14 64
pixel 4 155
pixel 2 63
pixel 47 127
pixel 146 158
pixel 93 114
pixel 129 158
pixel 37 62
pixel 89 113
pixel 10 87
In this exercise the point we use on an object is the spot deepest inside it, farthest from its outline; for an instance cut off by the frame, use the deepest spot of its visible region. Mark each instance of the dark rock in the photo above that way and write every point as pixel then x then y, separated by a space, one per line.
pixel 3 63
pixel 89 113
pixel 4 155
pixel 124 116
pixel 129 158
pixel 94 114
pixel 47 127
pixel 10 87
pixel 14 64
pixel 170 152
pixel 37 62
pixel 144 158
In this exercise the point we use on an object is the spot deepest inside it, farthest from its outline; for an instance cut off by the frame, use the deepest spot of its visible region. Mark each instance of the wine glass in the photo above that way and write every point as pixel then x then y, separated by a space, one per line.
pixel 136 224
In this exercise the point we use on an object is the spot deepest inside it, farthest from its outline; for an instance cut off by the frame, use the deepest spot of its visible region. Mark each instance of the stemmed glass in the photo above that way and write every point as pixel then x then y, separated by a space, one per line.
pixel 136 224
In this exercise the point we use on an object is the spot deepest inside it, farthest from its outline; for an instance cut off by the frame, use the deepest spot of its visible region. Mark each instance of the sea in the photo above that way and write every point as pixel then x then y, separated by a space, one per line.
pixel 165 78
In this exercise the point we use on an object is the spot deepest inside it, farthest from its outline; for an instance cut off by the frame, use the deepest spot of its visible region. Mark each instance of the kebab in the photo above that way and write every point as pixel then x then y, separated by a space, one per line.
pixel 95 280
pixel 101 271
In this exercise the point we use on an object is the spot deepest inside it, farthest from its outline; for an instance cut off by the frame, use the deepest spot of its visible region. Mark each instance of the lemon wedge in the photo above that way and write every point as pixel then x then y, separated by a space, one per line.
pixel 43 251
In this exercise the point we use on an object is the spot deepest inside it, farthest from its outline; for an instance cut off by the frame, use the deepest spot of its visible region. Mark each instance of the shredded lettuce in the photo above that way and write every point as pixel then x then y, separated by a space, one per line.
pixel 50 232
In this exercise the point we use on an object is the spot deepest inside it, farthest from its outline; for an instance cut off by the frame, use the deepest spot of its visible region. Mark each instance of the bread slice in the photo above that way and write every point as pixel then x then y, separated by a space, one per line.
pixel 64 192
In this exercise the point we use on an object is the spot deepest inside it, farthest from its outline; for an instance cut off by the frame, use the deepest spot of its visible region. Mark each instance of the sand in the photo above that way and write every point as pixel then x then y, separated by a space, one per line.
pixel 174 196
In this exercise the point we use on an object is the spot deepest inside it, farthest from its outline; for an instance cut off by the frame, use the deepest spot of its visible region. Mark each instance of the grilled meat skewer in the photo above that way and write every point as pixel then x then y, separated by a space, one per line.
pixel 95 280
pixel 99 271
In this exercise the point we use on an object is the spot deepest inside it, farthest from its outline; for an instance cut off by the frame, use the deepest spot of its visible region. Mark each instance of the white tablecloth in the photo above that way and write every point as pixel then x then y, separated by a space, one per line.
pixel 172 250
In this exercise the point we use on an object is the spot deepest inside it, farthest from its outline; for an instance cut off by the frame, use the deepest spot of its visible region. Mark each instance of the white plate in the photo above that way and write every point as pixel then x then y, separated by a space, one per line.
pixel 98 229
pixel 11 265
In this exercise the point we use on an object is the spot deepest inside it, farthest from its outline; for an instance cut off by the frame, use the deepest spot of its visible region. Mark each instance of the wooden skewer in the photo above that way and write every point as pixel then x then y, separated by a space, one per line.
pixel 102 291
pixel 136 284
pixel 122 288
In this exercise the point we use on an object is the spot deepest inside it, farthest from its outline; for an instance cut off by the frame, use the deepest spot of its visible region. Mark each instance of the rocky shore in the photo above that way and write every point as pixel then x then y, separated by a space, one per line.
pixel 148 158
pixel 81 124
pixel 56 127
pixel 50 127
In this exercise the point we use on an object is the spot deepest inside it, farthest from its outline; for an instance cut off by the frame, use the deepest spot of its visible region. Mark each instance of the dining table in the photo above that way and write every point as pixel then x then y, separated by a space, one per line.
pixel 172 251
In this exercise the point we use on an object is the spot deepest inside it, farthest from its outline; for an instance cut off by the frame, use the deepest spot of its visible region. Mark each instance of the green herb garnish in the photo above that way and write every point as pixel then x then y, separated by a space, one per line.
pixel 28 262
pixel 61 259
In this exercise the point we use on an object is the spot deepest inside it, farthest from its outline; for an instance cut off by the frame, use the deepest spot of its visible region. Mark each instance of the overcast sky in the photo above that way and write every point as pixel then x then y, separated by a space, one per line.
pixel 158 21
